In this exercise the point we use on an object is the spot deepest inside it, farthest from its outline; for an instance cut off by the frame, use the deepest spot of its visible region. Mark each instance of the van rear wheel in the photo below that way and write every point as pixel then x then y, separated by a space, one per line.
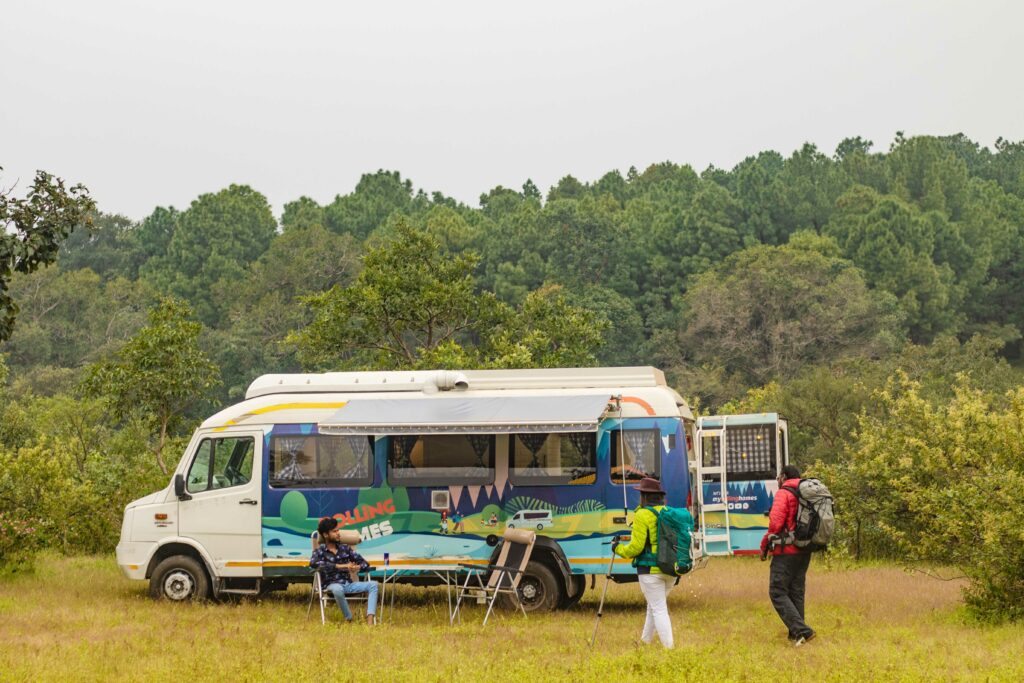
pixel 179 578
pixel 538 590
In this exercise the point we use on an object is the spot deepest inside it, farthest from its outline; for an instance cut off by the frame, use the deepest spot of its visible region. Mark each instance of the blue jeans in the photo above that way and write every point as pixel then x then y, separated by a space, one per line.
pixel 340 590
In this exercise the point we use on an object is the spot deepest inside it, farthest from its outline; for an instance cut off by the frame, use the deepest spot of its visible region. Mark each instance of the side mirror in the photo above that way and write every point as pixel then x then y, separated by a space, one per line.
pixel 179 487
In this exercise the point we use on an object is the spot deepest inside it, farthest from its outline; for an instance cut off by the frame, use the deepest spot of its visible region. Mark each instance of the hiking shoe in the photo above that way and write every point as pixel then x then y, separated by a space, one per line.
pixel 806 638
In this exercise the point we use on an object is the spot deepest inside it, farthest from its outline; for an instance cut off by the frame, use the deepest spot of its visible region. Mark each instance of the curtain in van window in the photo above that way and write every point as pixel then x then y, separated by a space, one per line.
pixel 640 442
pixel 533 443
pixel 582 441
pixel 401 449
pixel 360 446
pixel 288 449
pixel 480 444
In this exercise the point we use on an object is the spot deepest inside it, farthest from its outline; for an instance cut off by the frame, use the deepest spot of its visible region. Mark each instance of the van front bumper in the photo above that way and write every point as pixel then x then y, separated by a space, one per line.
pixel 133 558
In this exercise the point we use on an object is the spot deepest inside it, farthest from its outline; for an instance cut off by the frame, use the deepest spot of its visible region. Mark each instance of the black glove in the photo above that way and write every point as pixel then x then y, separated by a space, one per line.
pixel 773 540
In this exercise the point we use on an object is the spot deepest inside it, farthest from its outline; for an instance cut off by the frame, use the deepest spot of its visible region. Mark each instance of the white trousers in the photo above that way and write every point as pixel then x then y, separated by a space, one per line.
pixel 655 588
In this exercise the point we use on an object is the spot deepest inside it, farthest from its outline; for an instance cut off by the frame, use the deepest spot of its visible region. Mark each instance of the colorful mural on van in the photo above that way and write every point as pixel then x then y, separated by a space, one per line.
pixel 402 521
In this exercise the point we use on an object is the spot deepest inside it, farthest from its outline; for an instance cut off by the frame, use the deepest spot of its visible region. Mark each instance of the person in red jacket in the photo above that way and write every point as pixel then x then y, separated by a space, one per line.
pixel 788 574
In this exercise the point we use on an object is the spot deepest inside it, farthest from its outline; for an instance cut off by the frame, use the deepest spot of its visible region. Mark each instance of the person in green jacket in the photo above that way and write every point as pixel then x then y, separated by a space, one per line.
pixel 643 550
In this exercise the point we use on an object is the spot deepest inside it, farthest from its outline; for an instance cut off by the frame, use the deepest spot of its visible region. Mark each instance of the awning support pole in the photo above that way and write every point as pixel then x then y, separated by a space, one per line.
pixel 622 459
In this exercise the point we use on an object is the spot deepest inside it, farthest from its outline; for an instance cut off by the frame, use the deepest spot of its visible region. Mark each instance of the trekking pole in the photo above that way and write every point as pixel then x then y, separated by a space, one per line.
pixel 604 593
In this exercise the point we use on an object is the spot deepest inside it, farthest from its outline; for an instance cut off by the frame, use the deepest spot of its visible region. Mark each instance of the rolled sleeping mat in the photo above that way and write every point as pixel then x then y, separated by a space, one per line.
pixel 520 535
pixel 350 537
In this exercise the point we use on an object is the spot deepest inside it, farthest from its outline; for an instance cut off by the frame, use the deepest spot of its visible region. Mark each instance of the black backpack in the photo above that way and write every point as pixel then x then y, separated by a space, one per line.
pixel 815 519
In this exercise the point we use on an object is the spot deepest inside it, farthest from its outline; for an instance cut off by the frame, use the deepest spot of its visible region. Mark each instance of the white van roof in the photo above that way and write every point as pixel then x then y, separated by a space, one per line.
pixel 456 380
pixel 316 398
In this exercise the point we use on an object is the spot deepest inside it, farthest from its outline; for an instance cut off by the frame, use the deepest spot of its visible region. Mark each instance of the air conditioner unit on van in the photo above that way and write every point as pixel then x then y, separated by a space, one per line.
pixel 440 500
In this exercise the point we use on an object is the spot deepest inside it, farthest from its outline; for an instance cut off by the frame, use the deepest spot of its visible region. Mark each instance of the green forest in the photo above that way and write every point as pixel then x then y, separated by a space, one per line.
pixel 875 298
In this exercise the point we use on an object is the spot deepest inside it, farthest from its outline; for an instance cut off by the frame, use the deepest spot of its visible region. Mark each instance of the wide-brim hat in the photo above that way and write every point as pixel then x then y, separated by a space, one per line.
pixel 649 485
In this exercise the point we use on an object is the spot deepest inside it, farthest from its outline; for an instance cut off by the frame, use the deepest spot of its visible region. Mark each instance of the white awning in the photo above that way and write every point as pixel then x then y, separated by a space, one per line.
pixel 468 415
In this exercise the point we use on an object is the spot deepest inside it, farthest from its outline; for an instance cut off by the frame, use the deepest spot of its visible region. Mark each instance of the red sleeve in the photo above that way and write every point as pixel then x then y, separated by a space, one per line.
pixel 778 518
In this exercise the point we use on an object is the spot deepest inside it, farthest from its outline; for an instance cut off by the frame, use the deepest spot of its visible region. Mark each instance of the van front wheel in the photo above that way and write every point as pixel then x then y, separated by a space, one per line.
pixel 538 590
pixel 179 578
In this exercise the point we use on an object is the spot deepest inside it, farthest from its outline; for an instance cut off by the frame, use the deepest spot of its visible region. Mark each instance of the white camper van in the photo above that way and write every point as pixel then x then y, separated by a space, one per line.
pixel 530 519
pixel 391 454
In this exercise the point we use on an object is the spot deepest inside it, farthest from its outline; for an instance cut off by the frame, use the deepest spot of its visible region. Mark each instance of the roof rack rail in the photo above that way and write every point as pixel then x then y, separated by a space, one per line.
pixel 430 381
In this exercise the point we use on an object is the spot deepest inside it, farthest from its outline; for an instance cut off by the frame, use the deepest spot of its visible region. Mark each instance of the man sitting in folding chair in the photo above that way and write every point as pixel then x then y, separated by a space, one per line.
pixel 336 564
pixel 504 575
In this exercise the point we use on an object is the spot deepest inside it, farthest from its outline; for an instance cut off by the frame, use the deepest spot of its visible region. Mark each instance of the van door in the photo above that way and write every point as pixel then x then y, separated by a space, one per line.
pixel 738 458
pixel 223 512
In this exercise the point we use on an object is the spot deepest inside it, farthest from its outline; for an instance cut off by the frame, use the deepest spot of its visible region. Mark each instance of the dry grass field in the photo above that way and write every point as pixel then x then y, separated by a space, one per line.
pixel 78 619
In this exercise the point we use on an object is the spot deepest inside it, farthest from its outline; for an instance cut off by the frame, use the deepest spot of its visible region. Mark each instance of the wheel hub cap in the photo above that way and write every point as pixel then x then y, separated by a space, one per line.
pixel 179 585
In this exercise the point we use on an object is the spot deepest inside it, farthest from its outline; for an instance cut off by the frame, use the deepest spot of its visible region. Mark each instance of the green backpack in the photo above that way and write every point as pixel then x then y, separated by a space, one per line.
pixel 674 528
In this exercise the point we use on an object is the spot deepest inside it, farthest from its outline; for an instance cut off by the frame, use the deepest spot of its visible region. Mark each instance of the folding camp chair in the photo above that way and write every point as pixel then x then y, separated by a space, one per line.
pixel 318 591
pixel 504 575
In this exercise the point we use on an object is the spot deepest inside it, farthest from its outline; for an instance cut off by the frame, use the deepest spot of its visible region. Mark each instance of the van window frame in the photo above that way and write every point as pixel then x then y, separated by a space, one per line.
pixel 520 479
pixel 426 479
pixel 614 455
pixel 236 458
pixel 366 481
pixel 734 470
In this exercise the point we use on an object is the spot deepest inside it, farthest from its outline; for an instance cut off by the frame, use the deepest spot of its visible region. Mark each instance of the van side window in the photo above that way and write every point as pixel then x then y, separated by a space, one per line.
pixel 553 459
pixel 320 461
pixel 642 449
pixel 221 463
pixel 441 459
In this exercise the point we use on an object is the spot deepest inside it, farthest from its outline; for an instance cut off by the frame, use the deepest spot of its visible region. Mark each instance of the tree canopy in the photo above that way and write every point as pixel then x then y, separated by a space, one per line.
pixel 933 224
pixel 158 374
pixel 414 306
pixel 31 231
pixel 766 312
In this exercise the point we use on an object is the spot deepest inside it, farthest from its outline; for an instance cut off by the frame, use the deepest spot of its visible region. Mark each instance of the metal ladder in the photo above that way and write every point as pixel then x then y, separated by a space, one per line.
pixel 706 538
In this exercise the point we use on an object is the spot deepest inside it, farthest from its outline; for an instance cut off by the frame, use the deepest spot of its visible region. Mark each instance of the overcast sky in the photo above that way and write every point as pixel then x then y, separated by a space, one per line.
pixel 154 103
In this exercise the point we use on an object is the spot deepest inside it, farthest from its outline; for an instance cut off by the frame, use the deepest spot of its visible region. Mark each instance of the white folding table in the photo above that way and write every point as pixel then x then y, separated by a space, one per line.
pixel 447 572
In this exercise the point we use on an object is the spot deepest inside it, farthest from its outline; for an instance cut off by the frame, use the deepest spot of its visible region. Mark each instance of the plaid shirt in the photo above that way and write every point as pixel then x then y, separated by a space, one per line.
pixel 324 560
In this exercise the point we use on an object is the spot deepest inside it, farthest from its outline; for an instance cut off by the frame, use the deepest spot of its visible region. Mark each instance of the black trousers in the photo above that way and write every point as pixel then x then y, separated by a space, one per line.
pixel 786 584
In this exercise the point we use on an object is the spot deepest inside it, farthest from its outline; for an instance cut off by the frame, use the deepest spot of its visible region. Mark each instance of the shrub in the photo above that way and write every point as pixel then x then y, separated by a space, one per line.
pixel 944 482
pixel 69 476
pixel 19 540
